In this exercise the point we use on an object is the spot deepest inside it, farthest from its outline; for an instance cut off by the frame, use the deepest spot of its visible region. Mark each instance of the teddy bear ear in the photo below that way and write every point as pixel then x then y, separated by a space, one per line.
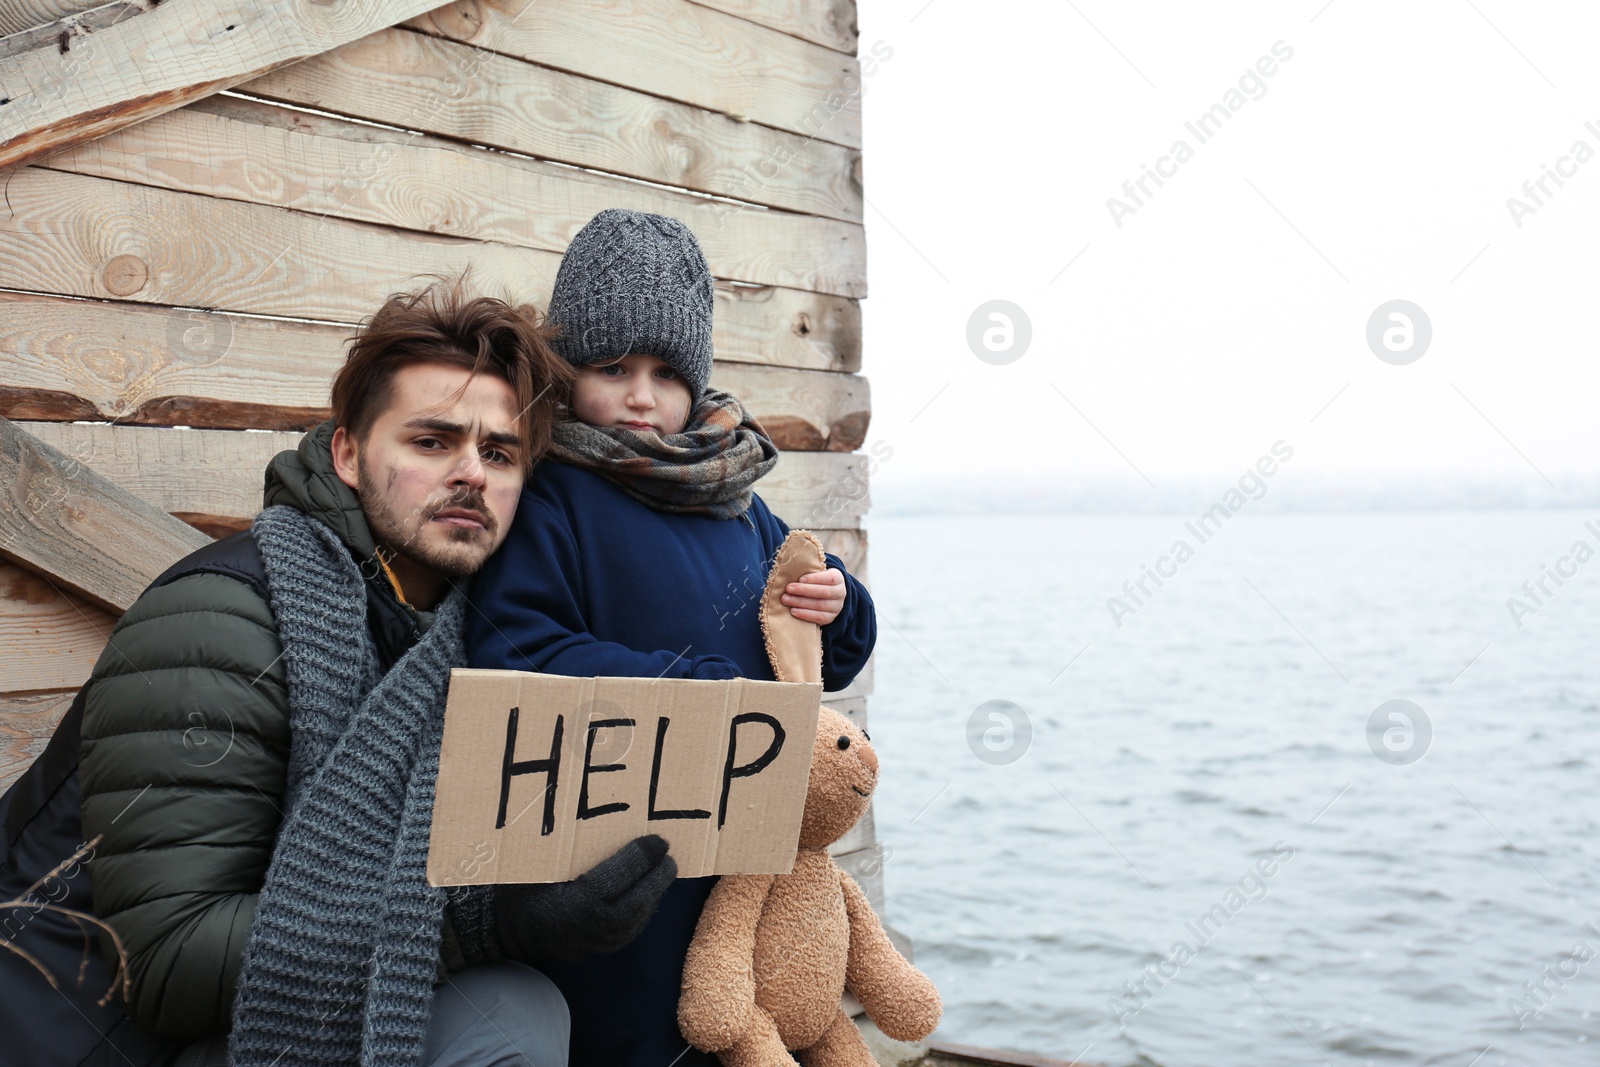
pixel 793 645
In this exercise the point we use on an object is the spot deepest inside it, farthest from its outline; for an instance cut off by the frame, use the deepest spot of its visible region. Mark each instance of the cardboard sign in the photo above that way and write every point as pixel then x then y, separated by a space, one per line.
pixel 542 776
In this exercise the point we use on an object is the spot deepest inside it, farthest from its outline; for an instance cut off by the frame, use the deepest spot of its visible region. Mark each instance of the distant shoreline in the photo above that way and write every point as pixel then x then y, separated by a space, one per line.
pixel 1193 497
pixel 988 510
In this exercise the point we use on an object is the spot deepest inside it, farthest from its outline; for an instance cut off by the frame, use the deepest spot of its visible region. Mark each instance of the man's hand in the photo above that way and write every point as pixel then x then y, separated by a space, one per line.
pixel 599 911
pixel 817 597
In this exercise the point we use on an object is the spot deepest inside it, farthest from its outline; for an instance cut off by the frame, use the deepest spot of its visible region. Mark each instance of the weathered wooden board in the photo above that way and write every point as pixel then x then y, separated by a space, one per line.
pixel 66 360
pixel 51 639
pixel 26 723
pixel 258 153
pixel 787 328
pixel 676 50
pixel 214 476
pixel 850 546
pixel 85 236
pixel 59 517
pixel 803 411
pixel 180 51
pixel 107 361
pixel 19 15
pixel 821 491
pixel 208 477
pixel 90 237
pixel 800 489
pixel 825 22
pixel 64 31
pixel 417 82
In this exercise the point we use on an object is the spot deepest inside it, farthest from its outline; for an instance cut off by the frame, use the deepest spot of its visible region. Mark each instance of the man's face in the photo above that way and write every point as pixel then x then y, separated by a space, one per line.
pixel 636 392
pixel 439 472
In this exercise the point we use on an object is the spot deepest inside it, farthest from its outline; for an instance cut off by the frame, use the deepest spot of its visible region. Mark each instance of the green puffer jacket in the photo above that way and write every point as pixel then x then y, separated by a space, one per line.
pixel 185 752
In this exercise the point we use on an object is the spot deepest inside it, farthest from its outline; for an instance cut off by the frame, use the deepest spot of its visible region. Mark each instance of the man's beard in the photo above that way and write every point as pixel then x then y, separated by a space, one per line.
pixel 391 533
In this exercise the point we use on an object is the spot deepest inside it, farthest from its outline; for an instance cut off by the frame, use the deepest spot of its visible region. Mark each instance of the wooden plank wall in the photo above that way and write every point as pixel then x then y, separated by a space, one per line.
pixel 175 294
pixel 89 74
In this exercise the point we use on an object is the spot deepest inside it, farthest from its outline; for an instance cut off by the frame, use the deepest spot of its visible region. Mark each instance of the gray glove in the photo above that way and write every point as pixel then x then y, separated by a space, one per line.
pixel 599 911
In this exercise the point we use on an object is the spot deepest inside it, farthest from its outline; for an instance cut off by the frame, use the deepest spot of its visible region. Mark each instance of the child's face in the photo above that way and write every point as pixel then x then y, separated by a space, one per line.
pixel 635 392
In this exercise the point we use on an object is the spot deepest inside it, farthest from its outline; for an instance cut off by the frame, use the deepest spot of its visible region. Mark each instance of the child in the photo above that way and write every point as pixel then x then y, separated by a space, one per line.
pixel 642 552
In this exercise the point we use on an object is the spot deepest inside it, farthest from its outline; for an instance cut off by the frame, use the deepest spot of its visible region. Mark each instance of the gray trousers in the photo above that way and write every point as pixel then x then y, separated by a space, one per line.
pixel 497 1015
pixel 493 1015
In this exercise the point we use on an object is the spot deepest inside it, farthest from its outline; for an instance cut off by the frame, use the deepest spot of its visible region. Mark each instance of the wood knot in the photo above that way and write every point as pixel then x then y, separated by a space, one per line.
pixel 459 21
pixel 125 275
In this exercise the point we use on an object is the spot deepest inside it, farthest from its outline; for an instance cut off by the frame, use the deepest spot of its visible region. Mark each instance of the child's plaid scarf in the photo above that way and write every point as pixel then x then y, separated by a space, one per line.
pixel 707 469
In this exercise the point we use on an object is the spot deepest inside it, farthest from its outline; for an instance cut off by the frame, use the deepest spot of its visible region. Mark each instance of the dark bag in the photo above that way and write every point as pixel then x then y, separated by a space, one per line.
pixel 65 1026
pixel 42 812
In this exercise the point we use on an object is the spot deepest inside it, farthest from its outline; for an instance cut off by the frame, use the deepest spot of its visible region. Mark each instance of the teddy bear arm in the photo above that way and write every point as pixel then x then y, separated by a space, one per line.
pixel 717 1004
pixel 900 999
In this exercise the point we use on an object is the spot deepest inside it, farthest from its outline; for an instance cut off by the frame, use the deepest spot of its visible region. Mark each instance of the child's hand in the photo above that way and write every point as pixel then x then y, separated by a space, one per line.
pixel 817 597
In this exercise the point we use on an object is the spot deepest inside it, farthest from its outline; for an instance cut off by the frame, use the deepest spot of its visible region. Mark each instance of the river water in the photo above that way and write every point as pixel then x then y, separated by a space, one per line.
pixel 1181 844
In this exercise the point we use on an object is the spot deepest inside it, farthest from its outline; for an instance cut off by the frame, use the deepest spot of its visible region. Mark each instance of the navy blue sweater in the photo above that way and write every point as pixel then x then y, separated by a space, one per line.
pixel 591 582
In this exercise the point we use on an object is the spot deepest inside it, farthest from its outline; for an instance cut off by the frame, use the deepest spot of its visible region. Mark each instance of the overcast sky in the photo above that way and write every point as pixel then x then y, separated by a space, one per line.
pixel 1230 309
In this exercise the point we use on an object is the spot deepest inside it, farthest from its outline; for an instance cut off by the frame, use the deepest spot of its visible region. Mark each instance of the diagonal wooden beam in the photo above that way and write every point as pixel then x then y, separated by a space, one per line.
pixel 178 52
pixel 78 529
pixel 20 16
pixel 86 17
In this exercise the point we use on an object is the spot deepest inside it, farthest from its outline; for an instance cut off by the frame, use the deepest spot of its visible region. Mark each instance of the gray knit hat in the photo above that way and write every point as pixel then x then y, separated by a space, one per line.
pixel 632 282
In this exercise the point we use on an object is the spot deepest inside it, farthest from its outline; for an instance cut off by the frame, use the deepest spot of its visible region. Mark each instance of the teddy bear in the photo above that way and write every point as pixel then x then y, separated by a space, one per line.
pixel 773 954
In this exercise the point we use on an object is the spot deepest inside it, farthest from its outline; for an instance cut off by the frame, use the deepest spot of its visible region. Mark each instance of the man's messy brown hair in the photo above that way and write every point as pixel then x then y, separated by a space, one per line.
pixel 443 323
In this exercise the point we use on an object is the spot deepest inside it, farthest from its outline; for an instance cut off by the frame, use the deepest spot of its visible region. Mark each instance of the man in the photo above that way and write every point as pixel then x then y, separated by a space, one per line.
pixel 261 736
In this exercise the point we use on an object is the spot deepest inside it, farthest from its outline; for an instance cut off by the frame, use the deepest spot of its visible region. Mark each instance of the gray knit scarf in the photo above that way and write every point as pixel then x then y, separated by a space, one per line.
pixel 707 469
pixel 340 961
